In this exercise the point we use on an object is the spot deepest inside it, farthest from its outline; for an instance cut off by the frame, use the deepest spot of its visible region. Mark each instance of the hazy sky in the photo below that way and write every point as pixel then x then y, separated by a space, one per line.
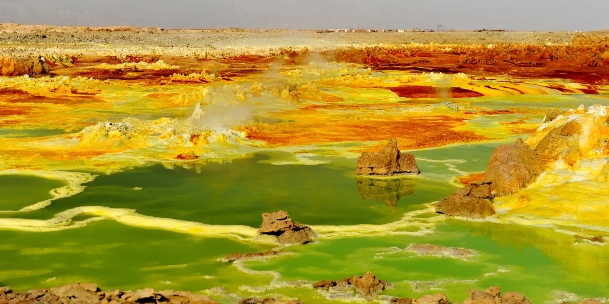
pixel 540 15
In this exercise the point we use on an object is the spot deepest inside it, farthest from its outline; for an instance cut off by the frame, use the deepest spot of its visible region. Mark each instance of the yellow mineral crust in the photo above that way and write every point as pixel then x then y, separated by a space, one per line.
pixel 137 66
pixel 572 192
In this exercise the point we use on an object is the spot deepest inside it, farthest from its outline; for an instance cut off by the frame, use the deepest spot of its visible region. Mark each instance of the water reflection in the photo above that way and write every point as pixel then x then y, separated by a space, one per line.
pixel 387 190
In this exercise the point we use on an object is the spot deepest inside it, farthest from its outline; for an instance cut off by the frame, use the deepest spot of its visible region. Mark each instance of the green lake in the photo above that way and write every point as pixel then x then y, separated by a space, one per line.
pixel 538 262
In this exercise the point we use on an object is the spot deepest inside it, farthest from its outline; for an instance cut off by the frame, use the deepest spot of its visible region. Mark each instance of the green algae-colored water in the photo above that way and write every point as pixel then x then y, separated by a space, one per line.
pixel 538 262
pixel 20 191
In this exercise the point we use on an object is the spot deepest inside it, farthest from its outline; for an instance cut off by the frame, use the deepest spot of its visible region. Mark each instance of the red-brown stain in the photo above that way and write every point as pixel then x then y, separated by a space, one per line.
pixel 471 178
pixel 412 133
pixel 432 92
pixel 16 96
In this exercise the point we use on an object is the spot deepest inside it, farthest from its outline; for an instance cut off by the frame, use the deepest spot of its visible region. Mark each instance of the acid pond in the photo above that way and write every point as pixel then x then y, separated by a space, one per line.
pixel 165 227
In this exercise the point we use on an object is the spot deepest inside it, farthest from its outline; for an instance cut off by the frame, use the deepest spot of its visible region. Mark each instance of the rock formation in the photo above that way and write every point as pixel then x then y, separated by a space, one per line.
pixel 512 168
pixel 90 293
pixel 439 298
pixel 471 201
pixel 578 134
pixel 268 301
pixel 287 231
pixel 388 161
pixel 435 250
pixel 492 295
pixel 15 66
pixel 365 285
pixel 249 256
pixel 388 191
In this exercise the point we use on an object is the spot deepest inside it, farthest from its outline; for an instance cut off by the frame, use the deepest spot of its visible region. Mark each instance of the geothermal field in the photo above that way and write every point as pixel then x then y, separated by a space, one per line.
pixel 142 165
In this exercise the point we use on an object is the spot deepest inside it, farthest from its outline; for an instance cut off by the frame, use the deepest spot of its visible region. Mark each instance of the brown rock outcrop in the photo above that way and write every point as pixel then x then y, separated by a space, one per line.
pixel 590 301
pixel 268 301
pixel 87 293
pixel 435 250
pixel 428 299
pixel 492 295
pixel 512 168
pixel 365 285
pixel 14 66
pixel 287 231
pixel 471 201
pixel 249 256
pixel 388 161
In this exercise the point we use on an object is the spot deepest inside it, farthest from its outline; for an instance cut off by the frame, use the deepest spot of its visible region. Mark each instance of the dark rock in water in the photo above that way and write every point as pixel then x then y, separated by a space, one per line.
pixel 590 301
pixel 512 168
pixel 268 301
pixel 301 235
pixel 87 293
pixel 401 301
pixel 435 250
pixel 492 295
pixel 388 161
pixel 387 190
pixel 368 284
pixel 324 284
pixel 471 201
pixel 365 285
pixel 287 231
pixel 249 256
pixel 428 299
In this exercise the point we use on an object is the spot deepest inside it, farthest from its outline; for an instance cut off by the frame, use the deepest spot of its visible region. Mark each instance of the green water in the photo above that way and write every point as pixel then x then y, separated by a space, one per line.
pixel 535 266
pixel 538 262
pixel 116 256
pixel 23 133
pixel 240 191
pixel 18 191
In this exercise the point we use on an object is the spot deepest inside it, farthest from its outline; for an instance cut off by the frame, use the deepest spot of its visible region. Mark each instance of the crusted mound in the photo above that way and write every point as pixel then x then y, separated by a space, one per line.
pixel 365 285
pixel 512 168
pixel 388 161
pixel 492 295
pixel 471 201
pixel 287 231
pixel 576 136
pixel 90 293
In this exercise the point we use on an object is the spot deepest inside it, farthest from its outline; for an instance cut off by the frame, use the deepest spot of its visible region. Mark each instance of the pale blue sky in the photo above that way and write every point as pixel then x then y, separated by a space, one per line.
pixel 542 15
